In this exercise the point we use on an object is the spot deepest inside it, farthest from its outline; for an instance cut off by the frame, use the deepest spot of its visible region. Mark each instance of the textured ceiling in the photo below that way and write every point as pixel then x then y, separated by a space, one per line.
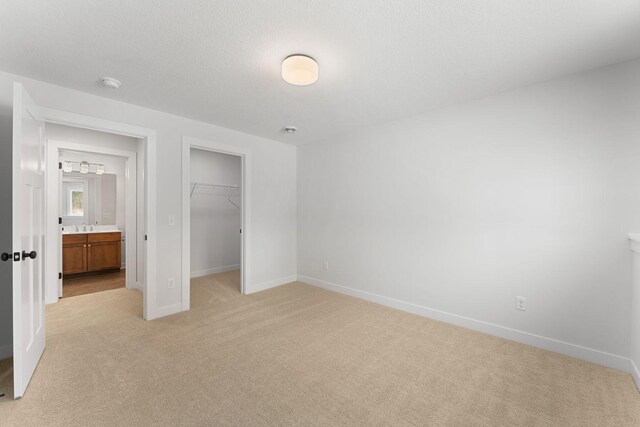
pixel 219 61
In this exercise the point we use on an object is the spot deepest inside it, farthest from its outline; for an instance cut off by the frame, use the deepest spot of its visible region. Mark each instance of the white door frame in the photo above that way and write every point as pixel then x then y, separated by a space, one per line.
pixel 245 260
pixel 150 305
pixel 53 208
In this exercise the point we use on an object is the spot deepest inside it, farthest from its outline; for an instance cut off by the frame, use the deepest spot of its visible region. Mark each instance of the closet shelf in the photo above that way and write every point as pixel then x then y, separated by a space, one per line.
pixel 207 189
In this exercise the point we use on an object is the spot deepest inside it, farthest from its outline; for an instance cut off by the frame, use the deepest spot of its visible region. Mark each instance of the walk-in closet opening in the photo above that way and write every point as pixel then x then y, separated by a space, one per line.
pixel 215 199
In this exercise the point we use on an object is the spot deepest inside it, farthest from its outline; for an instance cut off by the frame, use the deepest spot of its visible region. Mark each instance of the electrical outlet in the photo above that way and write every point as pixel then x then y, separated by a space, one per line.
pixel 325 265
pixel 172 220
pixel 521 303
pixel 171 282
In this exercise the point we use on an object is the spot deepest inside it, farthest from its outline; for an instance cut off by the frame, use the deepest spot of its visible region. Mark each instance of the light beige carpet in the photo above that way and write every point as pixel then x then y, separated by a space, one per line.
pixel 298 355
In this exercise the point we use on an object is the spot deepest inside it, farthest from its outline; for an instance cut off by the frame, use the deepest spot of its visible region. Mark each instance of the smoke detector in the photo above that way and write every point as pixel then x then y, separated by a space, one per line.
pixel 110 82
pixel 290 129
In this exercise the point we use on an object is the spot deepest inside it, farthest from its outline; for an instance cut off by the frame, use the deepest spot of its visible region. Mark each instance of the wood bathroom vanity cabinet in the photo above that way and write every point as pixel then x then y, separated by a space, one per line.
pixel 91 252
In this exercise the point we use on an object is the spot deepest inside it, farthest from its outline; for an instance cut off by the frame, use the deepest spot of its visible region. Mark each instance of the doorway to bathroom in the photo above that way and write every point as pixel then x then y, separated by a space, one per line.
pixel 92 208
pixel 94 195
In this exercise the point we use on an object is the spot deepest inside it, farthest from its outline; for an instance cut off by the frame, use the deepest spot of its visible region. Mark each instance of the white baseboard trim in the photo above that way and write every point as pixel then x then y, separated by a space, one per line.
pixel 166 310
pixel 6 351
pixel 215 270
pixel 568 349
pixel 270 284
pixel 635 373
pixel 140 287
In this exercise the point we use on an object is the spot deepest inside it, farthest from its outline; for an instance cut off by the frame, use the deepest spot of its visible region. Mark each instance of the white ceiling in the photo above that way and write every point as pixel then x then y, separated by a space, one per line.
pixel 219 61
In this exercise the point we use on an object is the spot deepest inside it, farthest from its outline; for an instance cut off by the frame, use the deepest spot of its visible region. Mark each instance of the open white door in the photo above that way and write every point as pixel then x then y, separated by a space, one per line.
pixel 28 238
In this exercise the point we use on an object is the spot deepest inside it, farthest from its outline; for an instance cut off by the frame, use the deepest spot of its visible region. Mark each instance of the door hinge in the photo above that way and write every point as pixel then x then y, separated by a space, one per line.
pixel 145 237
pixel 59 276
pixel 241 231
pixel 59 165
pixel 60 220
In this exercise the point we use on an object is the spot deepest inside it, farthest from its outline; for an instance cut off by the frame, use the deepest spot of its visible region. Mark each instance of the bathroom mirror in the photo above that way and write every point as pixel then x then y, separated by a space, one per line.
pixel 88 199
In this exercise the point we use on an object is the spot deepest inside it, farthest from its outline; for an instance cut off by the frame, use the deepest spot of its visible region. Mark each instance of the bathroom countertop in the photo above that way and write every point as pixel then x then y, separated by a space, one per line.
pixel 92 232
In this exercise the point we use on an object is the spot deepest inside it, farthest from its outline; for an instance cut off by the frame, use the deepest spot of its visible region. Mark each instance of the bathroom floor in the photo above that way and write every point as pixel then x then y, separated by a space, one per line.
pixel 90 284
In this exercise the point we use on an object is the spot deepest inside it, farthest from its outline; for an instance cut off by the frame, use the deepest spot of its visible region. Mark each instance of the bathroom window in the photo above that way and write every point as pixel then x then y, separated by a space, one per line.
pixel 76 202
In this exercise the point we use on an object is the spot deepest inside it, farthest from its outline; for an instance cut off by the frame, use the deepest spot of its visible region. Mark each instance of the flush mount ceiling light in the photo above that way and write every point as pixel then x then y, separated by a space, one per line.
pixel 110 82
pixel 299 70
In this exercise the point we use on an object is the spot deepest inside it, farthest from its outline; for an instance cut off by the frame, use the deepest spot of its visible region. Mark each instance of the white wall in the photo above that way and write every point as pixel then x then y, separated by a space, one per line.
pixel 273 184
pixel 527 193
pixel 215 223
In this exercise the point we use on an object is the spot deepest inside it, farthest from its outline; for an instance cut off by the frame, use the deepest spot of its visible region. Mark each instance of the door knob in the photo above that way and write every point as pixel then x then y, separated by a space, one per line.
pixel 31 255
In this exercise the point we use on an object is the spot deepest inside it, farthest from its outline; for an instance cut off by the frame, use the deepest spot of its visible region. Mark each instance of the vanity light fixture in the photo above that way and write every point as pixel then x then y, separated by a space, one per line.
pixel 299 70
pixel 83 167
